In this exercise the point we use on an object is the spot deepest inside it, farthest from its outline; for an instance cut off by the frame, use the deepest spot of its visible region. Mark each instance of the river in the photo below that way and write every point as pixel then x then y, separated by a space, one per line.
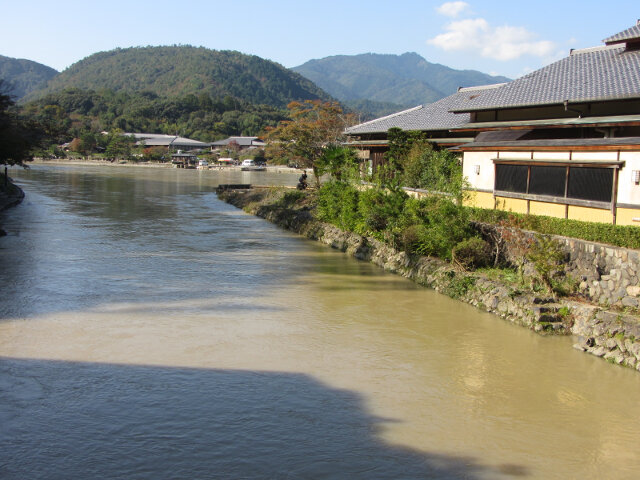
pixel 150 331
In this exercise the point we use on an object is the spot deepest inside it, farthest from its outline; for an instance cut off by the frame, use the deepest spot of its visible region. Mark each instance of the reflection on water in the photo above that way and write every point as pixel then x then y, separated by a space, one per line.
pixel 148 330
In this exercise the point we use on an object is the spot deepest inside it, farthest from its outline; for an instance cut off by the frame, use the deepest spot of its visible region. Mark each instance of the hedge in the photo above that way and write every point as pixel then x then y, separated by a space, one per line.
pixel 617 235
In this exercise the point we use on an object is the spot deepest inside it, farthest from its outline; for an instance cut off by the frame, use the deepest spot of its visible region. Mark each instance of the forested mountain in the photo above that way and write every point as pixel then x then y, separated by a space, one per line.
pixel 73 112
pixel 181 70
pixel 23 76
pixel 406 80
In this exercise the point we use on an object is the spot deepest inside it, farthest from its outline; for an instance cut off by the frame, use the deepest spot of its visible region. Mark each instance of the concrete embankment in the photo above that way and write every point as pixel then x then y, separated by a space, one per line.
pixel 614 335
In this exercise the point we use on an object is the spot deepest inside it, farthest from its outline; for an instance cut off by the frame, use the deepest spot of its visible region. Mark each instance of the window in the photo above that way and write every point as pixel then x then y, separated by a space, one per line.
pixel 591 184
pixel 548 181
pixel 511 178
pixel 562 181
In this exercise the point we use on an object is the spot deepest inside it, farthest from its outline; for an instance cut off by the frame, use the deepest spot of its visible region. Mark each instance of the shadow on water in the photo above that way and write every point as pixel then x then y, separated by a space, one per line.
pixel 95 421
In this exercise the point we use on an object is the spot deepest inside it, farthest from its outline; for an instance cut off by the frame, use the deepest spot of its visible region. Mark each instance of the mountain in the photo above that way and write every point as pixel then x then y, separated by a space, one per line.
pixel 406 80
pixel 181 70
pixel 24 76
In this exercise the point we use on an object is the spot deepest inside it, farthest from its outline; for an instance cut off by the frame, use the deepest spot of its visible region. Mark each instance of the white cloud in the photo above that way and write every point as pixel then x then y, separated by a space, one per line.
pixel 452 9
pixel 499 43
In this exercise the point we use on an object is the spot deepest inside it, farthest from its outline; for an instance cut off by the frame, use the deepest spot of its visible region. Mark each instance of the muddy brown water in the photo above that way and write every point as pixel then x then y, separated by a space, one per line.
pixel 149 330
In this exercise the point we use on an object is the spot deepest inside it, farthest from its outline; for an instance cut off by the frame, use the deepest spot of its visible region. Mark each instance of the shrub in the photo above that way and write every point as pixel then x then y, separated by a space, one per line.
pixel 290 198
pixel 472 253
pixel 547 256
pixel 618 235
pixel 338 204
pixel 381 210
pixel 459 286
pixel 443 225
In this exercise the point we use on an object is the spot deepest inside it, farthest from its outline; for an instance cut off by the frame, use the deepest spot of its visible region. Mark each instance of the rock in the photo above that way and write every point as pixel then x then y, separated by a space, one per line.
pixel 630 302
pixel 633 291
pixel 611 343
pixel 598 351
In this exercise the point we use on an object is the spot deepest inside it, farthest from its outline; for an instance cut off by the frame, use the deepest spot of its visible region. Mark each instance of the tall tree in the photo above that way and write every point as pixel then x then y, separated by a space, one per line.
pixel 313 127
pixel 17 137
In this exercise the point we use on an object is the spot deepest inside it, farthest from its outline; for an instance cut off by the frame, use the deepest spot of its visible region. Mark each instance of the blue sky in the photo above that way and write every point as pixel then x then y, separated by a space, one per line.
pixel 507 38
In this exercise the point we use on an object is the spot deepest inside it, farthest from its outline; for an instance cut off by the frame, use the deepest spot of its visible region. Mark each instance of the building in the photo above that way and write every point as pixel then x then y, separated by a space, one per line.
pixel 435 120
pixel 562 141
pixel 241 143
pixel 170 142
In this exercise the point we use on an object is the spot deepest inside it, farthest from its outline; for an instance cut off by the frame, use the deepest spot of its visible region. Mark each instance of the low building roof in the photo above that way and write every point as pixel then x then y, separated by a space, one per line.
pixel 432 116
pixel 157 139
pixel 241 141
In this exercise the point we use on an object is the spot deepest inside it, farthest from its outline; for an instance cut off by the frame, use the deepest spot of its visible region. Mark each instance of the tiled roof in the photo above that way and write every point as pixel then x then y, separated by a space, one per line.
pixel 241 141
pixel 433 116
pixel 593 74
pixel 153 139
pixel 628 34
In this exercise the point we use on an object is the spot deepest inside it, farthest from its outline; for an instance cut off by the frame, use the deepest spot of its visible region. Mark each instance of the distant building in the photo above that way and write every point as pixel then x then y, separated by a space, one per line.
pixel 171 142
pixel 435 120
pixel 243 143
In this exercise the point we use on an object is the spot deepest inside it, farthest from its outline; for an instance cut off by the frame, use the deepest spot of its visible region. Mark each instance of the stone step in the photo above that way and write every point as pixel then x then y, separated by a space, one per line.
pixel 548 313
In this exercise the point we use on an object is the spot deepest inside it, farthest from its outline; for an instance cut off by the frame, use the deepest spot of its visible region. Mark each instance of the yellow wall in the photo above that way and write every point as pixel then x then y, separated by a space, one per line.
pixel 547 209
pixel 480 200
pixel 515 205
pixel 590 214
pixel 625 216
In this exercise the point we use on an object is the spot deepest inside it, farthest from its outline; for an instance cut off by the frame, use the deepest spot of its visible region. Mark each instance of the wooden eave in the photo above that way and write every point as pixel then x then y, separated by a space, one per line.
pixel 605 121
pixel 549 148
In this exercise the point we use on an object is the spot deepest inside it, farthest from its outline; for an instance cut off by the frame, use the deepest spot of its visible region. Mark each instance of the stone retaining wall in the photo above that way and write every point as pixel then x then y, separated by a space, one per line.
pixel 613 336
pixel 606 275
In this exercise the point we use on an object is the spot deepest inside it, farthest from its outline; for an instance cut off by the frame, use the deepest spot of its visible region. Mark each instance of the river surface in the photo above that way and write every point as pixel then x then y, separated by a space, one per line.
pixel 150 331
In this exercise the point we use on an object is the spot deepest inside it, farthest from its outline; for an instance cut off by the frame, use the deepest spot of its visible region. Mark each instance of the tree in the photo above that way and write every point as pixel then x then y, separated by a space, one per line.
pixel 119 145
pixel 314 126
pixel 17 136
pixel 340 162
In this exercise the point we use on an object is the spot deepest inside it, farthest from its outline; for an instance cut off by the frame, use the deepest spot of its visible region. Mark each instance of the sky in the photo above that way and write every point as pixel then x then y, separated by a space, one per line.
pixel 509 38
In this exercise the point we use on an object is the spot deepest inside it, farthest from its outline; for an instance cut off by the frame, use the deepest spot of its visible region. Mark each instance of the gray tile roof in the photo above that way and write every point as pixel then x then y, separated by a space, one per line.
pixel 593 74
pixel 241 141
pixel 152 140
pixel 433 116
pixel 628 34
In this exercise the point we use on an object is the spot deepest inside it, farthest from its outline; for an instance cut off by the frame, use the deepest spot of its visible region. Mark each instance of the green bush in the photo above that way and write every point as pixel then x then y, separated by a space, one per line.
pixel 618 235
pixel 443 225
pixel 338 204
pixel 381 210
pixel 290 198
pixel 472 253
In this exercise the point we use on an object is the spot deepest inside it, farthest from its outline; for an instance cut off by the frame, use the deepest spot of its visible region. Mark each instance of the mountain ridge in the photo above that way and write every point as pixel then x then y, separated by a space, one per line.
pixel 174 71
pixel 405 80
pixel 24 76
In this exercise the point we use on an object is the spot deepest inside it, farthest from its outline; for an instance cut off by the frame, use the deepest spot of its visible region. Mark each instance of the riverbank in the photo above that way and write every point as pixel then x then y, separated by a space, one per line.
pixel 613 335
pixel 10 195
pixel 106 163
